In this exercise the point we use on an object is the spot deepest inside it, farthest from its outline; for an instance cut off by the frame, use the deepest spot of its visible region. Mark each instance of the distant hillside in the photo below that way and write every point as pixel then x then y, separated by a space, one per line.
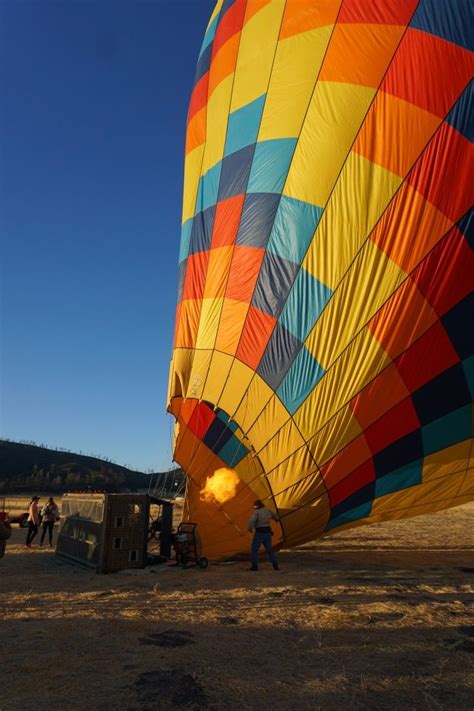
pixel 28 468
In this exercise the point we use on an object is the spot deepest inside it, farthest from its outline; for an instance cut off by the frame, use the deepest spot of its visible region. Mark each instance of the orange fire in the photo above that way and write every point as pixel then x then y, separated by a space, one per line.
pixel 221 486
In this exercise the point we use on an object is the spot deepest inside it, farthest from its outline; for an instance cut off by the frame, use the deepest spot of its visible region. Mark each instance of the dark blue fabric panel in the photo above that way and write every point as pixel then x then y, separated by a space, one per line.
pixel 466 226
pixel 203 64
pixel 257 219
pixel 459 324
pixel 201 232
pixel 460 117
pixel 181 275
pixel 448 392
pixel 217 435
pixel 361 496
pixel 274 283
pixel 450 19
pixel 279 355
pixel 235 173
pixel 396 455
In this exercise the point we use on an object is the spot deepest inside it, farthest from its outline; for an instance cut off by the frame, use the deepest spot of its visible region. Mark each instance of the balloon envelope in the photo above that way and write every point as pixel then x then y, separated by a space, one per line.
pixel 323 355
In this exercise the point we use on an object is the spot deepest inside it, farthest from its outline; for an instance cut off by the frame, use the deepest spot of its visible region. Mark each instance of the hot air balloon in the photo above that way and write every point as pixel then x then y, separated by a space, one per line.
pixel 323 354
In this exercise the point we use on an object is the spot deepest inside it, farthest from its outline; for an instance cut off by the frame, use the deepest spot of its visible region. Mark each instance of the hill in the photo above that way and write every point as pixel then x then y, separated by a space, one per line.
pixel 27 468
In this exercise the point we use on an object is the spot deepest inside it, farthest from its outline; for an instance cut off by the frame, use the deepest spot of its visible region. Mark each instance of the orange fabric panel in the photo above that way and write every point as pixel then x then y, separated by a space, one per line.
pixel 402 319
pixel 187 409
pixel 303 16
pixel 195 277
pixel 199 96
pixel 217 272
pixel 447 161
pixel 257 331
pixel 229 24
pixel 226 221
pixel 394 133
pixel 196 132
pixel 379 396
pixel 233 317
pixel 387 12
pixel 348 459
pixel 244 272
pixel 188 323
pixel 410 228
pixel 359 54
pixel 429 72
pixel 224 62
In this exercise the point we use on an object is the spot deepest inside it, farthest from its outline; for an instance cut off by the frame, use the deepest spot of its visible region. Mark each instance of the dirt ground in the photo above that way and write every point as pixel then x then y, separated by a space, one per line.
pixel 374 618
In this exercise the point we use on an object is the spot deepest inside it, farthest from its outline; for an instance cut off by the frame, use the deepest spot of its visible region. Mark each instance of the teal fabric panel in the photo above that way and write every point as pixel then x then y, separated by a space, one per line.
pixel 243 125
pixel 302 376
pixel 304 305
pixel 208 188
pixel 401 478
pixel 294 226
pixel 353 515
pixel 270 165
pixel 233 452
pixel 448 430
pixel 209 36
pixel 468 367
pixel 185 239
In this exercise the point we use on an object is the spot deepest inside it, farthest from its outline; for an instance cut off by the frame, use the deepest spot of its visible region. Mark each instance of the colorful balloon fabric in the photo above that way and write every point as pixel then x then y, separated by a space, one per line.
pixel 324 329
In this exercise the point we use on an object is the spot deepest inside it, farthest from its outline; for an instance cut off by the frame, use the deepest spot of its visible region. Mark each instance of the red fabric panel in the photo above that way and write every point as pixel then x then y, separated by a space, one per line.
pixel 379 396
pixel 356 453
pixel 255 336
pixel 244 272
pixel 229 25
pixel 397 422
pixel 226 221
pixel 199 96
pixel 429 72
pixel 195 275
pixel 388 12
pixel 428 357
pixel 201 420
pixel 443 173
pixel 353 482
pixel 445 276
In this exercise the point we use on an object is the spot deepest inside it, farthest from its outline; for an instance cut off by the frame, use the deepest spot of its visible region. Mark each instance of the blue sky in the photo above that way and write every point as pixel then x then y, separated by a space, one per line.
pixel 94 100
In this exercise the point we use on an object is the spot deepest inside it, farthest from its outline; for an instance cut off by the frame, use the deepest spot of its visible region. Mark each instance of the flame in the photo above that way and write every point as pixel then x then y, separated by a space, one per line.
pixel 220 487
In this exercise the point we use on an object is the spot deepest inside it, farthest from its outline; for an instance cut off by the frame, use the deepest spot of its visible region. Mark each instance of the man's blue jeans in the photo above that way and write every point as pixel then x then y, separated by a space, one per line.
pixel 264 539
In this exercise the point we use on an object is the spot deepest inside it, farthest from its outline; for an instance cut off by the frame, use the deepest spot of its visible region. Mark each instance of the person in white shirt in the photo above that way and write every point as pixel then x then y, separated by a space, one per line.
pixel 259 522
pixel 33 519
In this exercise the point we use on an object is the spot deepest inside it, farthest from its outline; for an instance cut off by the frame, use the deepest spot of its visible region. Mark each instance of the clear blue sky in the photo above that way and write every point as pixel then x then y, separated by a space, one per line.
pixel 94 101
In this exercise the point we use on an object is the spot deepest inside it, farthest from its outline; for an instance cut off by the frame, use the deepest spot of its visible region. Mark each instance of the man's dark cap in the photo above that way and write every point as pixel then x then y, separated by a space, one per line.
pixel 257 504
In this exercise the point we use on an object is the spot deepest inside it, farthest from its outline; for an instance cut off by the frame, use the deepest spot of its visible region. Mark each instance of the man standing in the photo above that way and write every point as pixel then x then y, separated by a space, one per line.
pixel 33 518
pixel 260 521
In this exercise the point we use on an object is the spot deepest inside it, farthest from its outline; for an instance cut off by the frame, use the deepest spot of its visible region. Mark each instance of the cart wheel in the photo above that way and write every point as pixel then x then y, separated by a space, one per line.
pixel 5 531
pixel 203 563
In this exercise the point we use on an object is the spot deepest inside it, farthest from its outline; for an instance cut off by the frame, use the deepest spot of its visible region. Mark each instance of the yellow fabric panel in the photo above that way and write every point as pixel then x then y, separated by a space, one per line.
pixel 307 523
pixel 334 436
pixel 371 280
pixel 357 366
pixel 192 173
pixel 448 461
pixel 180 368
pixel 286 441
pixel 361 194
pixel 256 396
pixel 250 471
pixel 256 57
pixel 296 481
pixel 239 378
pixel 333 119
pixel 267 422
pixel 441 489
pixel 209 323
pixel 217 116
pixel 219 368
pixel 217 272
pixel 294 73
pixel 198 374
pixel 232 322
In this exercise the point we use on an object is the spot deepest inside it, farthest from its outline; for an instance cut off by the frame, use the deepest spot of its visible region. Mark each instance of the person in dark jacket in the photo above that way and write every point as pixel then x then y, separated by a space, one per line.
pixel 50 514
pixel 259 522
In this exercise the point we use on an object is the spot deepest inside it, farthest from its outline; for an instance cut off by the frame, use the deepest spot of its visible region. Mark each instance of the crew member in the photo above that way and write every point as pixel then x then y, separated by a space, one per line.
pixel 260 523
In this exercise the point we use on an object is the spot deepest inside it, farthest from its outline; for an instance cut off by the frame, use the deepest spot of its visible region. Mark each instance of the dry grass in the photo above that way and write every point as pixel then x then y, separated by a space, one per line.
pixel 374 618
